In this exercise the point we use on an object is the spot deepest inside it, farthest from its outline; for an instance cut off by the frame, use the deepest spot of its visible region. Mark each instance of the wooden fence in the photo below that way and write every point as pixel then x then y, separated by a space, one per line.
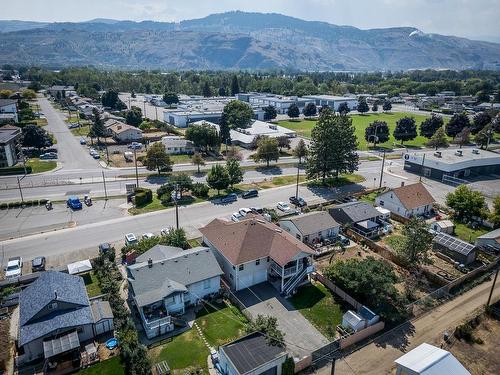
pixel 361 335
pixel 335 289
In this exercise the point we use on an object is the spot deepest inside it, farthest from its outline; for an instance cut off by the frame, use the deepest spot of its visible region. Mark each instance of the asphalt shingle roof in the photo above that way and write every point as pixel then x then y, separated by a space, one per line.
pixel 353 212
pixel 313 222
pixel 413 196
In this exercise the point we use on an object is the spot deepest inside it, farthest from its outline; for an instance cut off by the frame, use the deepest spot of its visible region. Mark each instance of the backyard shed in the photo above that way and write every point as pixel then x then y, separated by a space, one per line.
pixel 443 226
pixel 458 250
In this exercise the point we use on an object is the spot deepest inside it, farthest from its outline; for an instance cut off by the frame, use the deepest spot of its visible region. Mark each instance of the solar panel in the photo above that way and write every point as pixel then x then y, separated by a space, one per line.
pixel 453 243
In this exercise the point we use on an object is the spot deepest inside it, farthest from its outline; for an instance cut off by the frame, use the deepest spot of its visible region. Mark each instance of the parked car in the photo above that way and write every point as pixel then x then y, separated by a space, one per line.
pixel 87 200
pixel 147 235
pixel 48 156
pixel 229 198
pixel 130 239
pixel 343 240
pixel 83 141
pixel 92 150
pixel 257 210
pixel 283 206
pixel 250 194
pixel 14 267
pixel 236 216
pixel 96 155
pixel 298 201
pixel 74 203
pixel 135 146
pixel 166 231
pixel 38 264
pixel 73 125
pixel 104 248
pixel 245 211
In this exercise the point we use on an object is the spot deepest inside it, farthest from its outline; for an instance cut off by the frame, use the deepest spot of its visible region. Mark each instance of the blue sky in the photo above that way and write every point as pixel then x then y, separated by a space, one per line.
pixel 477 19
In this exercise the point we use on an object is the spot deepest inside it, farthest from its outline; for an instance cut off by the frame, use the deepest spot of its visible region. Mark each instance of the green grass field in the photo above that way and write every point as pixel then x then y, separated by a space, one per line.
pixel 361 122
pixel 110 366
pixel 39 166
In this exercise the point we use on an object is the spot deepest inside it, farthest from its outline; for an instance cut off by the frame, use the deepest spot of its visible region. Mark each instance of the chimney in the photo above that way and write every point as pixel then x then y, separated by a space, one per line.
pixel 150 263
pixel 402 183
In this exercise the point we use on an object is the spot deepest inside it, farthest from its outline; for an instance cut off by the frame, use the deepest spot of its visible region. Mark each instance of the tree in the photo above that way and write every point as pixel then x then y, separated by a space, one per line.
pixel 203 136
pixel 323 108
pixel 372 281
pixel 197 160
pixel 5 94
pixel 293 111
pixel 176 238
pixel 300 151
pixel 218 178
pixel 283 141
pixel 415 244
pixel 267 325
pixel 28 94
pixel 495 214
pixel 439 139
pixel 207 91
pixel 310 110
pixel 224 131
pixel 377 132
pixel 234 171
pixel 405 130
pixel 362 105
pixel 222 91
pixel 375 107
pixel 134 116
pixel 466 203
pixel 333 147
pixel 170 98
pixel 98 129
pixel 483 138
pixel 387 106
pixel 181 182
pixel 110 99
pixel 270 113
pixel 457 123
pixel 267 150
pixel 479 121
pixel 35 86
pixel 483 97
pixel 463 137
pixel 235 86
pixel 238 114
pixel 157 158
pixel 35 136
pixel 430 125
pixel 344 108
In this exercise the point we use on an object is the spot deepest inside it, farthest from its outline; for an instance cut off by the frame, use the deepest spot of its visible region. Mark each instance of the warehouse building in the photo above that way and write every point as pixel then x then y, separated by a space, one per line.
pixel 333 101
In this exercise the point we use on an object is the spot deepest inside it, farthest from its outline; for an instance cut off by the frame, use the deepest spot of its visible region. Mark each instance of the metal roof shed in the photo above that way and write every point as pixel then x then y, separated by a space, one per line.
pixel 79 267
pixel 455 248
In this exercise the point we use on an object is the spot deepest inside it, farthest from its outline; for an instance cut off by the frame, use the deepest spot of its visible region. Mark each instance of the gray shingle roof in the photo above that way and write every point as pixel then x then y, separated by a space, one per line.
pixel 170 274
pixel 70 291
pixel 313 222
pixel 101 310
pixel 353 212
pixel 5 102
pixel 158 252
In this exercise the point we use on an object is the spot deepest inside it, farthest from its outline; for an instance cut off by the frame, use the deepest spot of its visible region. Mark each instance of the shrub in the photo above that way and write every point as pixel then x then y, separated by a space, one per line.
pixel 3 206
pixel 15 170
pixel 143 196
pixel 200 190
pixel 164 191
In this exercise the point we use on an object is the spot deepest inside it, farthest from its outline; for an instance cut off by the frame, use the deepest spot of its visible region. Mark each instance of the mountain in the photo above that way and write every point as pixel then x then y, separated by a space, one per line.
pixel 238 40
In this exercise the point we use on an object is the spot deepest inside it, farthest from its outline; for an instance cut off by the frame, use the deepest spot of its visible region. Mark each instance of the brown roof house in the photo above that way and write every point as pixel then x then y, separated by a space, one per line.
pixel 253 251
pixel 407 200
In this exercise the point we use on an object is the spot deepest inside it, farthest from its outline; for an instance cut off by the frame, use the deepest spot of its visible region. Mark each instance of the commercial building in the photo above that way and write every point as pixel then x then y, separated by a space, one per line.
pixel 8 110
pixel 333 101
pixel 450 165
pixel 10 138
pixel 280 102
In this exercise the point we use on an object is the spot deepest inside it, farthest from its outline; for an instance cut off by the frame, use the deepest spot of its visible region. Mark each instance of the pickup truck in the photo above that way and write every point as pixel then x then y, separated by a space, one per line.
pixel 14 268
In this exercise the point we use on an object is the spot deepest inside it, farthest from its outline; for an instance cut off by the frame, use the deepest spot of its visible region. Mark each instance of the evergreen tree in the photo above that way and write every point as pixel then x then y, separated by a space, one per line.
pixel 235 86
pixel 207 91
pixel 430 125
pixel 98 129
pixel 362 105
pixel 300 151
pixel 405 130
pixel 222 91
pixel 35 136
pixel 479 121
pixel 270 113
pixel 457 123
pixel 344 108
pixel 377 132
pixel 387 106
pixel 375 107
pixel 333 147
pixel 267 150
pixel 157 158
pixel 170 98
pixel 134 116
pixel 234 171
pixel 293 111
pixel 439 139
pixel 218 178
pixel 310 110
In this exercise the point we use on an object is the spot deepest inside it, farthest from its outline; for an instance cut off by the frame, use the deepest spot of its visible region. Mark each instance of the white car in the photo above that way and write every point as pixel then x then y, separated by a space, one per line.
pixel 245 211
pixel 14 268
pixel 147 235
pixel 283 206
pixel 236 216
pixel 166 231
pixel 130 239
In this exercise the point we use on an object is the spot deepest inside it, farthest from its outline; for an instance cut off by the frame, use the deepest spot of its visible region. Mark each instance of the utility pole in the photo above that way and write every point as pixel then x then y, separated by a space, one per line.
pixel 107 154
pixel 492 287
pixel 176 206
pixel 104 182
pixel 156 110
pixel 136 173
pixel 382 171
pixel 20 189
pixel 422 168
pixel 297 185
pixel 332 370
pixel 490 131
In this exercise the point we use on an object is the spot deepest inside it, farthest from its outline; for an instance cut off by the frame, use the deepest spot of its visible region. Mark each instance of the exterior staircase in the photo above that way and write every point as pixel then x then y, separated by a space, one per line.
pixel 294 281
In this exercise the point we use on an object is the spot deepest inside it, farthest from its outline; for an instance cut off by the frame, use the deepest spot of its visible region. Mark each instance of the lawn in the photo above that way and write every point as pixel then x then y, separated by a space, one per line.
pixel 156 204
pixel 370 197
pixel 319 306
pixel 110 366
pixel 468 234
pixel 344 179
pixel 91 284
pixel 361 122
pixel 271 183
pixel 180 159
pixel 82 131
pixel 38 166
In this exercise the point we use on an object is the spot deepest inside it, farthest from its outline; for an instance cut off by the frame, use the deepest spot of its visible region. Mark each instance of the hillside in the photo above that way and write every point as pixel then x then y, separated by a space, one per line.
pixel 238 40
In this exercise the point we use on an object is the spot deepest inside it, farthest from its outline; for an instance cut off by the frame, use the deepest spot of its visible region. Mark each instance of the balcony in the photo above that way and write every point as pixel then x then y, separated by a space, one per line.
pixel 288 271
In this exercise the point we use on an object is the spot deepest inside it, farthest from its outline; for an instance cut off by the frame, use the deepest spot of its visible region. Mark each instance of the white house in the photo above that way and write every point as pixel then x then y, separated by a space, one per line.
pixel 175 144
pixel 312 227
pixel 427 359
pixel 124 133
pixel 165 280
pixel 407 200
pixel 253 251
pixel 251 355
pixel 8 110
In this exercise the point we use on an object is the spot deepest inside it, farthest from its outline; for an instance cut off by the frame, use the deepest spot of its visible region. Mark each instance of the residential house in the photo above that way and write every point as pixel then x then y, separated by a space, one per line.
pixel 56 316
pixel 8 110
pixel 253 251
pixel 490 241
pixel 10 145
pixel 124 133
pixel 360 216
pixel 61 90
pixel 311 228
pixel 456 249
pixel 165 280
pixel 428 359
pixel 407 200
pixel 251 355
pixel 175 144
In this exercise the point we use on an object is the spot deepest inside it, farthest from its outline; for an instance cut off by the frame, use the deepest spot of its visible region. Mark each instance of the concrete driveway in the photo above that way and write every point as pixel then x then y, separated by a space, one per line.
pixel 300 335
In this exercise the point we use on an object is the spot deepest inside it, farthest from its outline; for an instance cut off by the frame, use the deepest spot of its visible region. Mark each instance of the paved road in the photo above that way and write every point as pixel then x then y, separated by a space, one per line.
pixel 378 357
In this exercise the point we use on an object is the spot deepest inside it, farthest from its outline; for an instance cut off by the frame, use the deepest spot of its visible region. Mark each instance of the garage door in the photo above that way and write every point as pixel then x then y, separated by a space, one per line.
pixel 245 281
pixel 248 280
pixel 259 276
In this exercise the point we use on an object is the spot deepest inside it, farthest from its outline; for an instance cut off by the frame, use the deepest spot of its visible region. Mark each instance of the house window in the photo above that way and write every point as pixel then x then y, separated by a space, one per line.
pixel 241 267
pixel 206 284
pixel 257 262
pixel 169 300
pixel 298 236
pixel 427 172
pixel 381 203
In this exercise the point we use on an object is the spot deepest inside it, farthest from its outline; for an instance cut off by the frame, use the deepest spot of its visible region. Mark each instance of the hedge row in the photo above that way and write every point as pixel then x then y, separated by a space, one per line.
pixel 35 202
pixel 143 196
pixel 7 171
